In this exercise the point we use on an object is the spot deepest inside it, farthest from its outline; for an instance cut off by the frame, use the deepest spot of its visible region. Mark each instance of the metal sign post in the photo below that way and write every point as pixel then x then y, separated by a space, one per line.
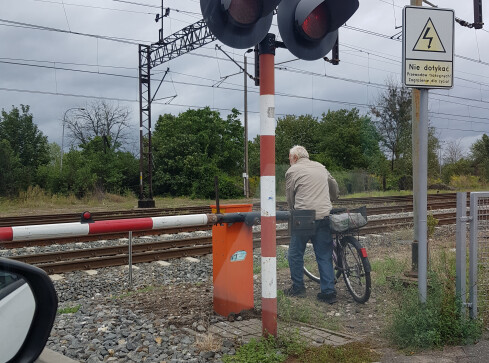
pixel 427 62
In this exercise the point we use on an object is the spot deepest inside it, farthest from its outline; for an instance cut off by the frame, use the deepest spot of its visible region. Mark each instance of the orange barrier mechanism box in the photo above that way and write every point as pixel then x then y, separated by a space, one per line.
pixel 232 260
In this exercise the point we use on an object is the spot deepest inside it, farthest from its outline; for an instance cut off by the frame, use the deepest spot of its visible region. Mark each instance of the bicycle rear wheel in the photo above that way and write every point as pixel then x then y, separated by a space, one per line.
pixel 312 273
pixel 311 270
pixel 356 269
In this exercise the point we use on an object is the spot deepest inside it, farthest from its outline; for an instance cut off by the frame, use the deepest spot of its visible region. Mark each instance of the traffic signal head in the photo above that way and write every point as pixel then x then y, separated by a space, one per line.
pixel 309 27
pixel 238 23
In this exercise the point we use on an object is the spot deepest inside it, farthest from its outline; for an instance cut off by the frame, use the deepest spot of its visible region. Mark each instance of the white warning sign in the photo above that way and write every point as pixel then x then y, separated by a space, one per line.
pixel 428 39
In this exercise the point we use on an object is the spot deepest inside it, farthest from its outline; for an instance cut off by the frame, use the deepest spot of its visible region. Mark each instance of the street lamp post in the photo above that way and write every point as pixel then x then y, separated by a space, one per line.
pixel 63 134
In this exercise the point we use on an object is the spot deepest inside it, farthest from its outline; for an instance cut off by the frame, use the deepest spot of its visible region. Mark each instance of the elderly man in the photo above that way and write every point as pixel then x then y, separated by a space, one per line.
pixel 308 186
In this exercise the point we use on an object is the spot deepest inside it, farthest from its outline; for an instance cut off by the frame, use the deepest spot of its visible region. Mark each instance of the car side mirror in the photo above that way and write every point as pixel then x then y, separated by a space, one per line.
pixel 28 306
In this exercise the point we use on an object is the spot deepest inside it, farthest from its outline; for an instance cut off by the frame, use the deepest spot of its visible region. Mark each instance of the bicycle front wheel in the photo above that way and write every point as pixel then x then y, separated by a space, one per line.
pixel 356 269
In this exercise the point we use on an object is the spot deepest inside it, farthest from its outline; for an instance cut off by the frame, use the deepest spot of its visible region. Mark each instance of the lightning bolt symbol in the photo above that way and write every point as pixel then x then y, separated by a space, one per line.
pixel 428 38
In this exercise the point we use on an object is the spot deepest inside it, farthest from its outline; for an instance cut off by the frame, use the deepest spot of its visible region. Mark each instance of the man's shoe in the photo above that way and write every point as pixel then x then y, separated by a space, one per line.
pixel 295 291
pixel 327 298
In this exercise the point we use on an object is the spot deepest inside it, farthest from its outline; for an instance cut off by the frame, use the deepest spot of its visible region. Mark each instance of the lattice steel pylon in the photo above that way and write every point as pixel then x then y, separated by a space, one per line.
pixel 185 40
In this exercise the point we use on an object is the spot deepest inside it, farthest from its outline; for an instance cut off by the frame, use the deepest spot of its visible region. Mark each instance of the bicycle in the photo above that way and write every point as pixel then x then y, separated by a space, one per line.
pixel 350 260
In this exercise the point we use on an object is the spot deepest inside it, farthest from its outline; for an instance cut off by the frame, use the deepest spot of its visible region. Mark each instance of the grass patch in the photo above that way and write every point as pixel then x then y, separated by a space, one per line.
pixel 270 350
pixel 36 200
pixel 349 353
pixel 304 311
pixel 289 310
pixel 69 310
pixel 282 260
pixel 388 267
pixel 265 350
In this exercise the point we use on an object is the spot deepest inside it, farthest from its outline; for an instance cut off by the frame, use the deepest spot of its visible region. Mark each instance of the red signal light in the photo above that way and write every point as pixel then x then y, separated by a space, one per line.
pixel 86 217
pixel 244 12
pixel 315 26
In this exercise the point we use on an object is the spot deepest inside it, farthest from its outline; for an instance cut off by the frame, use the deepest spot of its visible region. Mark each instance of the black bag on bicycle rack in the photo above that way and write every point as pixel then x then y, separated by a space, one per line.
pixel 348 220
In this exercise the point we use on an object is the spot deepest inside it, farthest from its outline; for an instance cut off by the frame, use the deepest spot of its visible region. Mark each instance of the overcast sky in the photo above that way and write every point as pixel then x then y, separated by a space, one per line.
pixel 70 62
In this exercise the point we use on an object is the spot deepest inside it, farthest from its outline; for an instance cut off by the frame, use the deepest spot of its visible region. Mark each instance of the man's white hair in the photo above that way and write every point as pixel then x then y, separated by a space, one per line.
pixel 299 151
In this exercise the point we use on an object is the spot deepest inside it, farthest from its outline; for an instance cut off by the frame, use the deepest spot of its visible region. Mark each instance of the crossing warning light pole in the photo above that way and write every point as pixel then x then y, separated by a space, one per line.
pixel 309 31
pixel 267 185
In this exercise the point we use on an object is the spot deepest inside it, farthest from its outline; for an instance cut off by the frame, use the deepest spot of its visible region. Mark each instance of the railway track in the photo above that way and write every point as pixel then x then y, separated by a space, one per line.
pixel 377 205
pixel 92 258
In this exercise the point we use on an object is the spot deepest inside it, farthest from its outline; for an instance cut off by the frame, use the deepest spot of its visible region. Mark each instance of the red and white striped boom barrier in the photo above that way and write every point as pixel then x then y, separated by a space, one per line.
pixel 24 233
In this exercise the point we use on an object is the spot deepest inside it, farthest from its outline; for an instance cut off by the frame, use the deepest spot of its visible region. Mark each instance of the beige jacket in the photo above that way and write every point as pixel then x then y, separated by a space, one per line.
pixel 307 186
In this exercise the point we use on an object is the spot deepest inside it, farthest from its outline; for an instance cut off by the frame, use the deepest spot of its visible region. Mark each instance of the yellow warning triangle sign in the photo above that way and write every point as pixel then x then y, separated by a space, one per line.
pixel 429 41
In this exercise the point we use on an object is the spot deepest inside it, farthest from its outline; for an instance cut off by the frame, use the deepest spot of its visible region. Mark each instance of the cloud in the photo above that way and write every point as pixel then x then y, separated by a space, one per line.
pixel 368 59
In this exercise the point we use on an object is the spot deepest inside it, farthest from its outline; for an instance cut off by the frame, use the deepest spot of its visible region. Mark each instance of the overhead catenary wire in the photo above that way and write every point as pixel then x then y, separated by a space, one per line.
pixel 289 69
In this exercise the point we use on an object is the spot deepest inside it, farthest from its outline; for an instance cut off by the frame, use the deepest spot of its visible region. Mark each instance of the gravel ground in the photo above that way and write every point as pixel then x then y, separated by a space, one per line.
pixel 159 323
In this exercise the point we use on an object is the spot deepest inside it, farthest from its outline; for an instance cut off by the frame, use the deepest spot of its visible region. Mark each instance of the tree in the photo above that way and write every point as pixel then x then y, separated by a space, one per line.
pixel 27 146
pixel 25 139
pixel 294 130
pixel 394 125
pixel 10 167
pixel 453 152
pixel 102 119
pixel 348 141
pixel 393 112
pixel 480 156
pixel 95 168
pixel 192 148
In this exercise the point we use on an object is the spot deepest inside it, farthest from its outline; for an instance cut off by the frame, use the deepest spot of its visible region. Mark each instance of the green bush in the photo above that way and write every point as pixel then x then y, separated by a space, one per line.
pixel 436 323
pixel 356 181
pixel 463 182
pixel 461 167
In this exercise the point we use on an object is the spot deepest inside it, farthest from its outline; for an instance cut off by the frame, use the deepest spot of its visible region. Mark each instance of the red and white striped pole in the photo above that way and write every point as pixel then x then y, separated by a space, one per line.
pixel 267 186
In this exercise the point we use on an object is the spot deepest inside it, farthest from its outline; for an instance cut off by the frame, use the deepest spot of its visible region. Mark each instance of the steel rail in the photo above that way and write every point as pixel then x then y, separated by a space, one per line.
pixel 119 260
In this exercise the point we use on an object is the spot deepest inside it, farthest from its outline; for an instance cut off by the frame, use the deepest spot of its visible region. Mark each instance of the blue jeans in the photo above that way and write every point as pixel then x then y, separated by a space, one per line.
pixel 322 241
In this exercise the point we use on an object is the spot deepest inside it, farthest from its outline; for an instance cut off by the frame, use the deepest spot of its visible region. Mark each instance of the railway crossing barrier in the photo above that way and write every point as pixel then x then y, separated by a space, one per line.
pixel 232 240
